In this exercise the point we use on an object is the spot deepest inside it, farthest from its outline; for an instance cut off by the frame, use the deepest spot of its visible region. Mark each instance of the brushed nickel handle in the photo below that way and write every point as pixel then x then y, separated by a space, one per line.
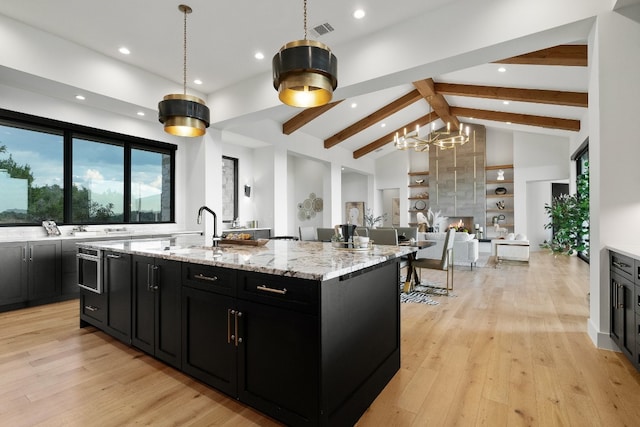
pixel 203 277
pixel 265 288
pixel 620 304
pixel 91 308
pixel 113 256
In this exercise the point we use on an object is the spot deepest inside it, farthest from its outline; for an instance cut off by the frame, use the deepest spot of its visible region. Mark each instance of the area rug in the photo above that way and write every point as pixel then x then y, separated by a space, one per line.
pixel 423 293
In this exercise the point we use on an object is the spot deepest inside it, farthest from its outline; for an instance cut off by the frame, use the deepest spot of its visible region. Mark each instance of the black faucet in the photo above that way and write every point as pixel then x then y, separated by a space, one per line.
pixel 216 239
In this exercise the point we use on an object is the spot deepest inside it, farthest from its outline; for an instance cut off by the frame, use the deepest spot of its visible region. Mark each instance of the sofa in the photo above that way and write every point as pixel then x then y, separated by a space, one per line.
pixel 465 247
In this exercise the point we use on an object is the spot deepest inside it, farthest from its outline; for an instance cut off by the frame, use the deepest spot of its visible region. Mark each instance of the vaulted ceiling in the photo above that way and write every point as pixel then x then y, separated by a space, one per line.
pixel 435 95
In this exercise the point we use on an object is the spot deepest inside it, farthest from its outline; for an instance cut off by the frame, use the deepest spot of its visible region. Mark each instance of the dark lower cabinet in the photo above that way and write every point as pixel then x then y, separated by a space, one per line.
pixel 31 273
pixel 624 305
pixel 116 273
pixel 14 277
pixel 623 328
pixel 45 272
pixel 156 308
pixel 262 353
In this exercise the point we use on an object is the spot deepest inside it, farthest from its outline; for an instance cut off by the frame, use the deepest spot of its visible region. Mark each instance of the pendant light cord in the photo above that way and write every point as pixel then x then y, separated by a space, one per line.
pixel 305 19
pixel 184 68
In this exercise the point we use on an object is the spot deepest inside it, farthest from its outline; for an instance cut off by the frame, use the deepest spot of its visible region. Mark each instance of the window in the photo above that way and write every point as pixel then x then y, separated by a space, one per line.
pixel 229 189
pixel 581 158
pixel 31 175
pixel 98 182
pixel 71 174
pixel 150 186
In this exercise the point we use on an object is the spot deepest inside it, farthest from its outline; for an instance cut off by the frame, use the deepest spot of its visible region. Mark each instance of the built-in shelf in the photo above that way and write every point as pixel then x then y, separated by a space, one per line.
pixel 418 198
pixel 507 199
pixel 418 173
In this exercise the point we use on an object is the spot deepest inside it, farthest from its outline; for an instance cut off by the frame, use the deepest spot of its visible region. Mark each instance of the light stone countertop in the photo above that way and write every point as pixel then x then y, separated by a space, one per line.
pixel 306 260
pixel 629 250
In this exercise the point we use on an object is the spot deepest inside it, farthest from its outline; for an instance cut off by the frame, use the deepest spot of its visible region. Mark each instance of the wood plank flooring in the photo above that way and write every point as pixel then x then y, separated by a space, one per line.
pixel 509 349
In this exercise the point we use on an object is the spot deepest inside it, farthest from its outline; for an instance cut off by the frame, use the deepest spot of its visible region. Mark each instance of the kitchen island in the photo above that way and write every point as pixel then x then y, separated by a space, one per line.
pixel 304 332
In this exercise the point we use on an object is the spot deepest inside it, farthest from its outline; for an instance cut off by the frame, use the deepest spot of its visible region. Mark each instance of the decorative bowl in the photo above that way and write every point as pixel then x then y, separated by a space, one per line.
pixel 501 190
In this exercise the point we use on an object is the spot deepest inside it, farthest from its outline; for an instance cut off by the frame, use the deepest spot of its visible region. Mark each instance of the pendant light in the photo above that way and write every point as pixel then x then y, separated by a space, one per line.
pixel 182 114
pixel 305 72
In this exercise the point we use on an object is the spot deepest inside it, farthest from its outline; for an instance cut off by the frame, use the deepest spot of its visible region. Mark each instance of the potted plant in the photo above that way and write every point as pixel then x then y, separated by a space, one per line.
pixel 569 220
pixel 372 221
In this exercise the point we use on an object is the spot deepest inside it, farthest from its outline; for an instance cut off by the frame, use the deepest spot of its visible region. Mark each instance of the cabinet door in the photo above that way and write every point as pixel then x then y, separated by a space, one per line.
pixel 13 280
pixel 143 307
pixel 278 362
pixel 117 286
pixel 623 315
pixel 208 341
pixel 45 272
pixel 167 308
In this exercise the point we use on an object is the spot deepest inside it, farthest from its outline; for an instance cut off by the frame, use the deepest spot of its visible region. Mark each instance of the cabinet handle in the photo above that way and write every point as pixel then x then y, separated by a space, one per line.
pixel 31 253
pixel 238 314
pixel 91 308
pixel 265 288
pixel 24 254
pixel 203 277
pixel 620 304
pixel 620 264
pixel 154 278
pixel 113 256
pixel 229 336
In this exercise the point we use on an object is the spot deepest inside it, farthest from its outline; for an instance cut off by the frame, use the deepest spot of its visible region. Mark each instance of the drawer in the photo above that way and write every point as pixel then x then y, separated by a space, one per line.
pixel 93 307
pixel 208 278
pixel 286 292
pixel 622 264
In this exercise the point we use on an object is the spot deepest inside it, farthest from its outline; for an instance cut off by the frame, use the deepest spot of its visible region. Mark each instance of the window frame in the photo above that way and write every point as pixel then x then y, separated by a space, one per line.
pixel 71 131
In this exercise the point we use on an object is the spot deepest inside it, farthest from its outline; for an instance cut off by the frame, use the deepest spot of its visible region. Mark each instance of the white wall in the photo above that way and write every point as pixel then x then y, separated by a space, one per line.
pixel 614 151
pixel 354 189
pixel 536 158
pixel 309 178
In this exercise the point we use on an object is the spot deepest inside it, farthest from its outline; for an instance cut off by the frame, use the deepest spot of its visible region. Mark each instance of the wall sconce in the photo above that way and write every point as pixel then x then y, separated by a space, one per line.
pixel 500 175
pixel 247 191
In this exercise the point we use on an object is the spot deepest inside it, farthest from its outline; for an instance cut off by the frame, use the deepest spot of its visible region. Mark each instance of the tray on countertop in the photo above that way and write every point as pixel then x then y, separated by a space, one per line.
pixel 249 242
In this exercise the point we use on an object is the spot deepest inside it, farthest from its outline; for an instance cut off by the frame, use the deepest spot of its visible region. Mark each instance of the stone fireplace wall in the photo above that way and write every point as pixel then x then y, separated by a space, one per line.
pixel 457 184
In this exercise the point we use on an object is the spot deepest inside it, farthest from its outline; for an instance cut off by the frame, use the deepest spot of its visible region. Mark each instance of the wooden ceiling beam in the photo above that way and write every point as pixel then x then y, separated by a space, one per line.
pixel 440 105
pixel 381 142
pixel 523 119
pixel 307 115
pixel 568 55
pixel 373 118
pixel 554 97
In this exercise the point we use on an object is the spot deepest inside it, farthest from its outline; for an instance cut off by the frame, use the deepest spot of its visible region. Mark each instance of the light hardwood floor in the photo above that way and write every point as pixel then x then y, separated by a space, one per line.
pixel 509 349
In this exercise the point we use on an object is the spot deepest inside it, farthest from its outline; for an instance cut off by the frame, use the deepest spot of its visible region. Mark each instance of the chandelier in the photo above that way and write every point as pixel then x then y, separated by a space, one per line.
pixel 443 139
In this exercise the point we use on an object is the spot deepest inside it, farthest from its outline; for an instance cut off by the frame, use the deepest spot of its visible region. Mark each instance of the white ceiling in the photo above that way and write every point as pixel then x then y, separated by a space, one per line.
pixel 217 31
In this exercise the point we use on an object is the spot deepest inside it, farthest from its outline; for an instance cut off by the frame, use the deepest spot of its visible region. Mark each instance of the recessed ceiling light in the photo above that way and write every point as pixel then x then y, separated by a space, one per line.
pixel 502 70
pixel 505 102
pixel 259 55
pixel 358 14
pixel 198 81
pixel 123 50
pixel 354 105
pixel 508 123
pixel 80 98
pixel 140 113
pixel 383 125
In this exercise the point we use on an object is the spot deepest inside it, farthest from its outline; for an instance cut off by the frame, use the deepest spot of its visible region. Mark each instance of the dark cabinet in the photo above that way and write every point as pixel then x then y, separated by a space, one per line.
pixel 623 319
pixel 45 274
pixel 31 273
pixel 116 280
pixel 156 308
pixel 623 305
pixel 260 346
pixel 14 279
